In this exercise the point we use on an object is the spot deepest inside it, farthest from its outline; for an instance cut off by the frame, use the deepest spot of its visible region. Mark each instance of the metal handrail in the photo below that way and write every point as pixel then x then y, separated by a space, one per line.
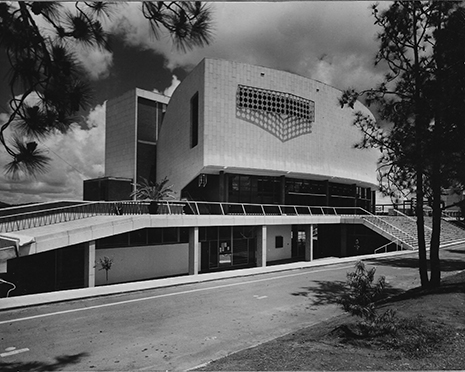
pixel 9 283
pixel 27 220
pixel 391 226
pixel 397 212
pixel 396 242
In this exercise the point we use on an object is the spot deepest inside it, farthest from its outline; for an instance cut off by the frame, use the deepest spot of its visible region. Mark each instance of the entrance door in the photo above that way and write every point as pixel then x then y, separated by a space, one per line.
pixel 225 254
pixel 298 242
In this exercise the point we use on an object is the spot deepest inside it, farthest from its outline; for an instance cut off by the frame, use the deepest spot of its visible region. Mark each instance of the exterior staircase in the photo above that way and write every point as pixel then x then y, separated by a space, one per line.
pixel 402 229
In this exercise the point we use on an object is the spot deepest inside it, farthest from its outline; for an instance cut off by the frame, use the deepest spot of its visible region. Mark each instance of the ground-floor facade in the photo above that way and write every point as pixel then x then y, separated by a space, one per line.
pixel 157 252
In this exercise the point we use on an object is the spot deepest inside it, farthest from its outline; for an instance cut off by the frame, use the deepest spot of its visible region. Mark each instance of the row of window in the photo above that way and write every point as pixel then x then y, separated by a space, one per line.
pixel 261 189
pixel 152 236
pixel 173 235
pixel 226 233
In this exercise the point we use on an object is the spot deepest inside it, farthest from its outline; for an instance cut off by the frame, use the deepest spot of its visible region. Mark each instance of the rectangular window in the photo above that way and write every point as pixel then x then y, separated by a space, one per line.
pixel 195 120
pixel 279 242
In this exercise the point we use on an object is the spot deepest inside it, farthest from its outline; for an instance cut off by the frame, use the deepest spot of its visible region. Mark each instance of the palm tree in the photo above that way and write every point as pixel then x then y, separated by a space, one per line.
pixel 153 192
pixel 48 85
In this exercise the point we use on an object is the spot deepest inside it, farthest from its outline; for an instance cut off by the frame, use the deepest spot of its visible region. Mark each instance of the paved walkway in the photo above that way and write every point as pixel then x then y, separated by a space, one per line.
pixel 75 294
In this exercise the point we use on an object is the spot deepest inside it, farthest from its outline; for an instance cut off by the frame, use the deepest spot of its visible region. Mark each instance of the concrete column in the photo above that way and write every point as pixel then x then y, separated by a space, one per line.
pixel 282 190
pixel 328 193
pixel 355 195
pixel 221 187
pixel 261 246
pixel 89 264
pixel 372 207
pixel 194 248
pixel 308 242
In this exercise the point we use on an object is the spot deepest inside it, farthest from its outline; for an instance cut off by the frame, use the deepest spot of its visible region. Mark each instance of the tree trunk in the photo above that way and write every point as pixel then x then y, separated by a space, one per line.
pixel 436 234
pixel 419 138
pixel 436 175
pixel 419 211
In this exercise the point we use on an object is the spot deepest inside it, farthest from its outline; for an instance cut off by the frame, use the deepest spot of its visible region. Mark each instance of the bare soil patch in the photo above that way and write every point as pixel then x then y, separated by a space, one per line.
pixel 430 336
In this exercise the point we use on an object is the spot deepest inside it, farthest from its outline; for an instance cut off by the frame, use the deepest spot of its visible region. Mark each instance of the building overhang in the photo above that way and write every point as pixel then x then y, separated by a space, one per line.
pixel 61 235
pixel 214 169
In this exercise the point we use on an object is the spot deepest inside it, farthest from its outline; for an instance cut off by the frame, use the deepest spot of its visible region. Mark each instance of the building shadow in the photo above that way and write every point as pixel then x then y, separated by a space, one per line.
pixel 413 262
pixel 330 292
pixel 456 251
pixel 450 284
pixel 61 362
pixel 325 293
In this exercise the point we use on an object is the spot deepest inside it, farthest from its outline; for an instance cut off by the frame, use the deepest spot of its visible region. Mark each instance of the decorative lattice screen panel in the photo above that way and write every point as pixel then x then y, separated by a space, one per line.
pixel 284 115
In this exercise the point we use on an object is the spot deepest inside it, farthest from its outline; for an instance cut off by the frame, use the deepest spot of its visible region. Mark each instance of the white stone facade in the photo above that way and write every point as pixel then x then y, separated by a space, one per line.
pixel 227 142
pixel 121 132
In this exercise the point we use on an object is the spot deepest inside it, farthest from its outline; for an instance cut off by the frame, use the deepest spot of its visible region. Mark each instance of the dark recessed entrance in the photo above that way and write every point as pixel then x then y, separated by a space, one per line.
pixel 227 247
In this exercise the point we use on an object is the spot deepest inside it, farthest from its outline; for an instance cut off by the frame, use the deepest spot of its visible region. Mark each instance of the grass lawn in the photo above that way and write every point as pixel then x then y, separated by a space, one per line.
pixel 430 336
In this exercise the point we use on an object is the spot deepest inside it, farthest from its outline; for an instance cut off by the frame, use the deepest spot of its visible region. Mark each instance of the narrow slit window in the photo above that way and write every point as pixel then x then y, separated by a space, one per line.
pixel 194 120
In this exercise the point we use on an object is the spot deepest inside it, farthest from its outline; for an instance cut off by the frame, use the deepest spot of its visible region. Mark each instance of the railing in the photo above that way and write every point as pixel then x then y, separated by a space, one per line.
pixel 13 286
pixel 385 246
pixel 28 220
pixel 381 224
pixel 414 220
pixel 385 209
pixel 219 208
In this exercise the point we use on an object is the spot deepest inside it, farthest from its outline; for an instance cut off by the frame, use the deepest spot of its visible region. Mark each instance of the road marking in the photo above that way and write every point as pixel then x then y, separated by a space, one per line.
pixel 260 297
pixel 170 295
pixel 13 352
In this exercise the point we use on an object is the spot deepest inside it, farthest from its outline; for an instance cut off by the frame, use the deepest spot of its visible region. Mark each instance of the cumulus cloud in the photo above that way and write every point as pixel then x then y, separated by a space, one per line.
pixel 170 90
pixel 76 155
pixel 290 36
pixel 96 62
pixel 331 41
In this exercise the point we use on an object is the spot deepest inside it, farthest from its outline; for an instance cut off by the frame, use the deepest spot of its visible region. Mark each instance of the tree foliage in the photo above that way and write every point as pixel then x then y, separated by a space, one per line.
pixel 422 98
pixel 149 190
pixel 361 297
pixel 48 85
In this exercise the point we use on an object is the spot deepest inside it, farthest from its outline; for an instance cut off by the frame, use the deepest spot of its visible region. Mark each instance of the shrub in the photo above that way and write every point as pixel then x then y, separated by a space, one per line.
pixel 359 300
pixel 105 264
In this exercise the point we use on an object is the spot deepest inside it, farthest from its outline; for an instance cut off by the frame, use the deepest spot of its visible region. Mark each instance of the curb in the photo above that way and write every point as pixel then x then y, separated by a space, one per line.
pixel 108 290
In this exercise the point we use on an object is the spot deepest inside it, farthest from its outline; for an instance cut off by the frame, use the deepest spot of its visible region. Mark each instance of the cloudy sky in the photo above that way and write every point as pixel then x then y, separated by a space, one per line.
pixel 330 41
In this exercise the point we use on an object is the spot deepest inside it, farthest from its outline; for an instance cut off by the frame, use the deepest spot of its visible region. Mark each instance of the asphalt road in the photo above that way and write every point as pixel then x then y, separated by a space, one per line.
pixel 181 327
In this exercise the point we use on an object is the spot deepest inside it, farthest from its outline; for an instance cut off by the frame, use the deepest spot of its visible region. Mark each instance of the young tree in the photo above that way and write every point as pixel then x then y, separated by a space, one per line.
pixel 148 190
pixel 422 98
pixel 48 86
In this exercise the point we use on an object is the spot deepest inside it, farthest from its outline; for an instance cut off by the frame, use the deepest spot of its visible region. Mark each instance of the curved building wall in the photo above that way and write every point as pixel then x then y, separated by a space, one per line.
pixel 312 138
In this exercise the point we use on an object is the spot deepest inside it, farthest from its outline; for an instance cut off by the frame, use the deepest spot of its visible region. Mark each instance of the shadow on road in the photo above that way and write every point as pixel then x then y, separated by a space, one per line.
pixel 60 363
pixel 326 292
pixel 329 292
pixel 456 251
pixel 413 262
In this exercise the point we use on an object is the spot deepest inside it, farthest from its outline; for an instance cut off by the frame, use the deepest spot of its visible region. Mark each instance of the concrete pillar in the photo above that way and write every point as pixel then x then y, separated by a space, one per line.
pixel 261 246
pixel 355 195
pixel 194 248
pixel 89 264
pixel 328 193
pixel 372 207
pixel 308 242
pixel 222 187
pixel 282 190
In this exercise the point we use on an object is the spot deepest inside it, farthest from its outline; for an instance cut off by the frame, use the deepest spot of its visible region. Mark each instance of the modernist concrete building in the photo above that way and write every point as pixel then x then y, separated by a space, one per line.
pixel 133 123
pixel 240 133
pixel 265 170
